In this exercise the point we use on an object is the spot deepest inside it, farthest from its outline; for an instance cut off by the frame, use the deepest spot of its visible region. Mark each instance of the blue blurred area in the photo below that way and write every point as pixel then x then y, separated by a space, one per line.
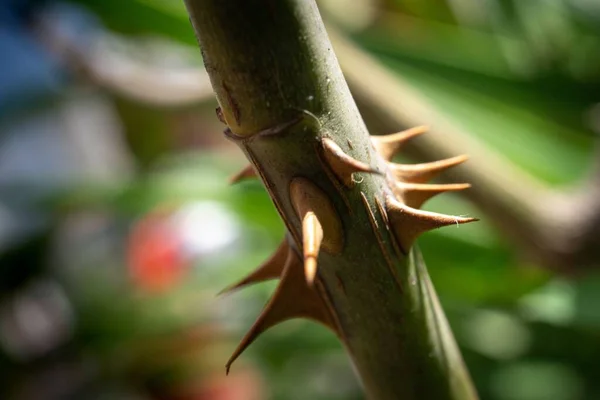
pixel 35 161
pixel 28 71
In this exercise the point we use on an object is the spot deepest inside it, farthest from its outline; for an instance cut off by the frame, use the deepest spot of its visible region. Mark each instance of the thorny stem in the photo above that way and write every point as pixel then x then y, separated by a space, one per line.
pixel 555 234
pixel 555 229
pixel 282 93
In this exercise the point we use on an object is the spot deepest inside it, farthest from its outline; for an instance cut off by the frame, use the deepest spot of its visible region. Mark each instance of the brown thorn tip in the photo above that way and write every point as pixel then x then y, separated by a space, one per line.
pixel 415 194
pixel 246 173
pixel 408 223
pixel 312 236
pixel 388 145
pixel 421 173
pixel 342 164
pixel 272 268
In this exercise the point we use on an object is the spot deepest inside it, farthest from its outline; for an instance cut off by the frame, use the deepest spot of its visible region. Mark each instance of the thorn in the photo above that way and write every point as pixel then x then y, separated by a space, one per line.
pixel 421 173
pixel 342 164
pixel 246 173
pixel 312 236
pixel 388 145
pixel 293 298
pixel 321 226
pixel 415 194
pixel 408 223
pixel 272 268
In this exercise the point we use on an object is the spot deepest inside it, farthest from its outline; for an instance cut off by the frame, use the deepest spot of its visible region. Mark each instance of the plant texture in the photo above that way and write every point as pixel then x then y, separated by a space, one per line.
pixel 349 260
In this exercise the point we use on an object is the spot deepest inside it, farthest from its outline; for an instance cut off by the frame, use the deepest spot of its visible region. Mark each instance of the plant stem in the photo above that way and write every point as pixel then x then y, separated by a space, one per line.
pixel 282 92
pixel 521 206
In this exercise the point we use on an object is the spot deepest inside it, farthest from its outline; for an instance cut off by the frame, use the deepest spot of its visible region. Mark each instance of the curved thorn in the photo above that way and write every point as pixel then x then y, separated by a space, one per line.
pixel 388 145
pixel 246 173
pixel 421 173
pixel 293 298
pixel 408 223
pixel 342 164
pixel 272 268
pixel 416 194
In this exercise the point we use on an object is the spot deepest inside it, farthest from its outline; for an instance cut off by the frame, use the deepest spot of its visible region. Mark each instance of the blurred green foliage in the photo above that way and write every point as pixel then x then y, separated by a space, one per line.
pixel 520 76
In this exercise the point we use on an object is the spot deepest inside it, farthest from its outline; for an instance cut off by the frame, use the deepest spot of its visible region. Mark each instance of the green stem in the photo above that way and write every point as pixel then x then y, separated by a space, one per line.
pixel 281 91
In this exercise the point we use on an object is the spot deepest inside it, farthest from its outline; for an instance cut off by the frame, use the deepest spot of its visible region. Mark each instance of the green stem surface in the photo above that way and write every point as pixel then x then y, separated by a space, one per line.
pixel 281 91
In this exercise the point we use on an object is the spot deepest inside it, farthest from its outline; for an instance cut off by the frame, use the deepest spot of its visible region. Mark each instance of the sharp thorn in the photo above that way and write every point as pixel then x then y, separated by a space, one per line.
pixel 342 164
pixel 312 236
pixel 272 268
pixel 246 173
pixel 293 298
pixel 416 194
pixel 320 224
pixel 310 269
pixel 421 173
pixel 408 223
pixel 388 145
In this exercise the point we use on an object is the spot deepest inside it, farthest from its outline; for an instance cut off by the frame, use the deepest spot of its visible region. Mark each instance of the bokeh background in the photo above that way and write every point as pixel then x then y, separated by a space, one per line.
pixel 118 226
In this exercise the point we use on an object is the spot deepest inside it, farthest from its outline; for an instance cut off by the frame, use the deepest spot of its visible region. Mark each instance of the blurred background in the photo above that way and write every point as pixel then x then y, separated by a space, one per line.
pixel 118 226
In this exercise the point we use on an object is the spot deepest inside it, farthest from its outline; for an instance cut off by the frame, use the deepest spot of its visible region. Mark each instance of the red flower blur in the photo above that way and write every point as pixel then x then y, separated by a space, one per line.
pixel 154 255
